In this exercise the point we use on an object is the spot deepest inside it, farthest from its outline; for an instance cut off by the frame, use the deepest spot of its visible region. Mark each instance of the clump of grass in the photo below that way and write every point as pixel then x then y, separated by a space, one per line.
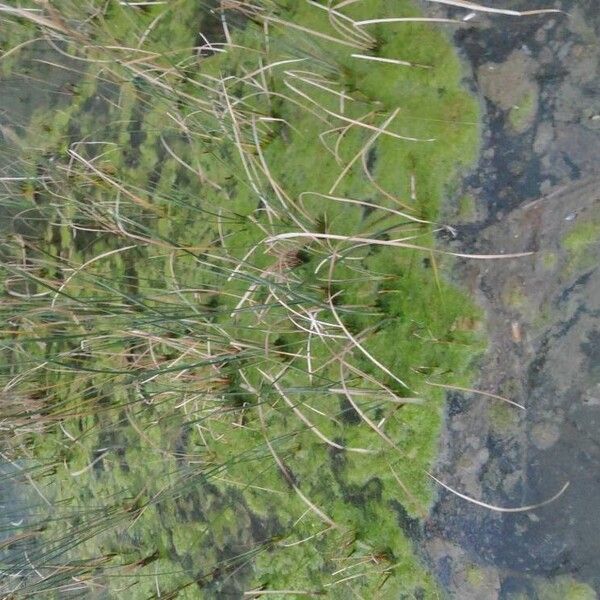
pixel 228 325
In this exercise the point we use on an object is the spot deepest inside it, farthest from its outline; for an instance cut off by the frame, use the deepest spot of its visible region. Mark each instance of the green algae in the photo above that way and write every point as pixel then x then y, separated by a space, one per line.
pixel 475 576
pixel 549 260
pixel 467 209
pixel 503 421
pixel 513 294
pixel 521 116
pixel 565 588
pixel 178 459
pixel 579 242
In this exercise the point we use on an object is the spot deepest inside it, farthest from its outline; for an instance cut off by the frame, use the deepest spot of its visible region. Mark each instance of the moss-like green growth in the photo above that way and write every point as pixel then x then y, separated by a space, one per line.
pixel 565 588
pixel 467 209
pixel 475 576
pixel 236 311
pixel 513 295
pixel 503 419
pixel 549 260
pixel 580 242
pixel 522 115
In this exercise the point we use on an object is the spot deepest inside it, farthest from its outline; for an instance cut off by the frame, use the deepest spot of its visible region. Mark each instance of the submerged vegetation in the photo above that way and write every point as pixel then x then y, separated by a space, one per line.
pixel 226 331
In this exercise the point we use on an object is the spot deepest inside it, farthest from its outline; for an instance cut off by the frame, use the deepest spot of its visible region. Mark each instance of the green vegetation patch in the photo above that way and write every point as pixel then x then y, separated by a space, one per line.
pixel 522 116
pixel 565 587
pixel 230 330
pixel 579 243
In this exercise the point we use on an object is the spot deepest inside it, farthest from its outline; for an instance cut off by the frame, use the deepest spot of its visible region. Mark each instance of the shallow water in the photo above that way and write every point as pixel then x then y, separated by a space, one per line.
pixel 534 189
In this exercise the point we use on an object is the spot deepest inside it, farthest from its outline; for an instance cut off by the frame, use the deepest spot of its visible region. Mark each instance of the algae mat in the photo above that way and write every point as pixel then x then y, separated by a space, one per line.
pixel 228 330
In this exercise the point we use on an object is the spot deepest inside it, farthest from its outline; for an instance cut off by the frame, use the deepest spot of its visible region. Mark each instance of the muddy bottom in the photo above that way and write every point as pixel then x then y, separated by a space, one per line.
pixel 535 191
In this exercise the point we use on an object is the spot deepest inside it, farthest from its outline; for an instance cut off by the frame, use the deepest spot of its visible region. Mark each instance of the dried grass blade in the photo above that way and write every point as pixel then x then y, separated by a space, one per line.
pixel 501 509
pixel 396 243
pixel 497 11
pixel 473 391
